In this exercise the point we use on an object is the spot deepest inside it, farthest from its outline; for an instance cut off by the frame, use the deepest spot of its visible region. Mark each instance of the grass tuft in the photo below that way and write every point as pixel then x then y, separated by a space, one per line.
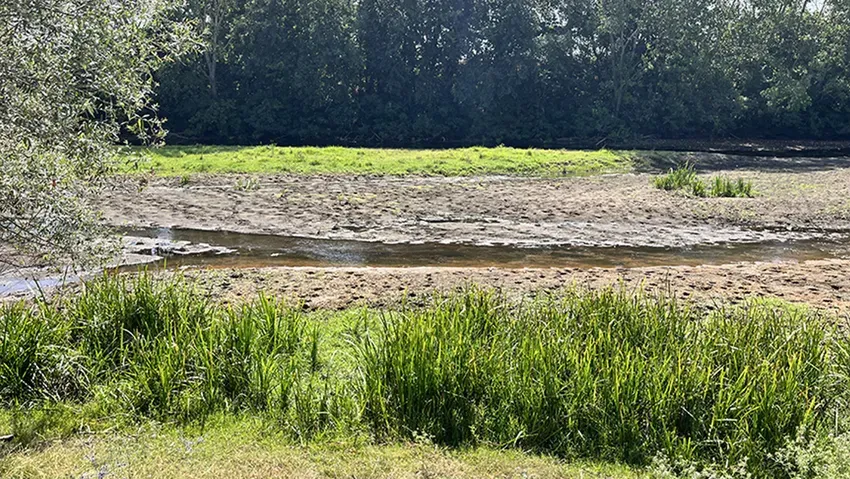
pixel 684 177
pixel 722 187
pixel 679 178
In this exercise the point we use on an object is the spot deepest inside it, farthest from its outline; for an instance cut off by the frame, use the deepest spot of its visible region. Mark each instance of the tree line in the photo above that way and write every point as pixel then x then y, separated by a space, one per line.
pixel 432 72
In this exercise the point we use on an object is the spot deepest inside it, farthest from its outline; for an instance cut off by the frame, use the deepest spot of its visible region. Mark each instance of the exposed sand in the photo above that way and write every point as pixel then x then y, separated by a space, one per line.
pixel 823 284
pixel 600 210
pixel 796 198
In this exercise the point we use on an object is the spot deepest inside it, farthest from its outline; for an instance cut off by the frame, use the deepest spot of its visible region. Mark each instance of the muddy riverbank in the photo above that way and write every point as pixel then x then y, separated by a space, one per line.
pixel 134 252
pixel 822 284
pixel 611 210
pixel 797 200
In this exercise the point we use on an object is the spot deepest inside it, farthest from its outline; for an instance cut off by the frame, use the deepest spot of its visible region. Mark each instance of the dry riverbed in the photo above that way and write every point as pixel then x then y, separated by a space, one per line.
pixel 594 211
pixel 796 198
pixel 822 284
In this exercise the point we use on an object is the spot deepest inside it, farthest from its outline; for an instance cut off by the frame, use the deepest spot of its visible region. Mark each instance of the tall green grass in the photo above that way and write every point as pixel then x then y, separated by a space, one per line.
pixel 722 187
pixel 35 363
pixel 153 349
pixel 607 375
pixel 679 178
pixel 684 177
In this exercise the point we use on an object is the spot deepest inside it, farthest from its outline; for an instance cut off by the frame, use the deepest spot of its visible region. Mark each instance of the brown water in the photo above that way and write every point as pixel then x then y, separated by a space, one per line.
pixel 255 250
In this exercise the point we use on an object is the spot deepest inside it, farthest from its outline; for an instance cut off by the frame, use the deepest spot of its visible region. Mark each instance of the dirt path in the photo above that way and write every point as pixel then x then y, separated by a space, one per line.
pixel 602 210
pixel 823 284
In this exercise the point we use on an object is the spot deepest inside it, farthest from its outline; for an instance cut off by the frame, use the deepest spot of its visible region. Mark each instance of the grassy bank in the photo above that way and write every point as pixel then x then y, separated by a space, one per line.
pixel 244 448
pixel 185 160
pixel 603 376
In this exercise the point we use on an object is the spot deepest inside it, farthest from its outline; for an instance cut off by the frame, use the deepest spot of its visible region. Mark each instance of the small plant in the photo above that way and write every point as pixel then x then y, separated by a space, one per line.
pixel 722 187
pixel 184 180
pixel 698 188
pixel 247 184
pixel 684 177
pixel 677 178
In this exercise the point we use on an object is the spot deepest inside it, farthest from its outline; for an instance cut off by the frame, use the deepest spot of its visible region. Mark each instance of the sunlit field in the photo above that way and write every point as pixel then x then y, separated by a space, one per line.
pixel 180 160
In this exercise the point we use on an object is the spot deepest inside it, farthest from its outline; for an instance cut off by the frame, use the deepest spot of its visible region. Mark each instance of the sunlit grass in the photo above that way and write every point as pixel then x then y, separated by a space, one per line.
pixel 678 178
pixel 183 160
pixel 248 448
pixel 606 375
pixel 722 187
pixel 684 177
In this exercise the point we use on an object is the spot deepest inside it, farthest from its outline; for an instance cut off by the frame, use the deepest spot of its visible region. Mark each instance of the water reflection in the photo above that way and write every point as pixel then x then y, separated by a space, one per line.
pixel 270 250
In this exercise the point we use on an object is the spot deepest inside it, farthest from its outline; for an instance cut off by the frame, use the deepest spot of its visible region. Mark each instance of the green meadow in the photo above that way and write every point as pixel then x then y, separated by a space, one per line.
pixel 187 160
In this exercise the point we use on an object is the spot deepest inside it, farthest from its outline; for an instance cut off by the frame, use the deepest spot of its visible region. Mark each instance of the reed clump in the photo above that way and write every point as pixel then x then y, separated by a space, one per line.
pixel 609 374
pixel 684 177
pixel 606 375
pixel 149 349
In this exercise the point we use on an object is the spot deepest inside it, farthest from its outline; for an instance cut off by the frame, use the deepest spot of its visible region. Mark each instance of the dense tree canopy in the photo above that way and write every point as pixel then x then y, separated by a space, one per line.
pixel 75 77
pixel 512 71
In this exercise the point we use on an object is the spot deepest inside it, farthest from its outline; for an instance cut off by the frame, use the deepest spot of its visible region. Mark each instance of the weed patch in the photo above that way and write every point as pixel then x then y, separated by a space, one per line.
pixel 684 177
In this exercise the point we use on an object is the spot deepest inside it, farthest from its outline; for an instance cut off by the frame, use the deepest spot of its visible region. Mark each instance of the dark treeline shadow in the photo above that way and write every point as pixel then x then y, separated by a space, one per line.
pixel 442 73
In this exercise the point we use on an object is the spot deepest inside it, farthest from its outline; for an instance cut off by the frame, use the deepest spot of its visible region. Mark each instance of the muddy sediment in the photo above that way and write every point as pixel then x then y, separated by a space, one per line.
pixel 623 210
pixel 796 198
pixel 134 252
pixel 822 284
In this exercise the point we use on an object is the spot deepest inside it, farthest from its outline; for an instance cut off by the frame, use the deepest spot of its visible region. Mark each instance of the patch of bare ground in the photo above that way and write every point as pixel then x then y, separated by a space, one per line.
pixel 794 197
pixel 822 284
pixel 601 210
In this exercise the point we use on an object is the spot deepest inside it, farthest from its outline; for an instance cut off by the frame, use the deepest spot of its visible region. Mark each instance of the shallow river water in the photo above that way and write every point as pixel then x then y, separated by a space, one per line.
pixel 254 250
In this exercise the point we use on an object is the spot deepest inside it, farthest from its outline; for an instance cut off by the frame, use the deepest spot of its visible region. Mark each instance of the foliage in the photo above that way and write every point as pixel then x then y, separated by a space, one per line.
pixel 722 187
pixel 75 76
pixel 827 457
pixel 607 375
pixel 440 72
pixel 604 375
pixel 684 177
pixel 176 160
pixel 678 178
